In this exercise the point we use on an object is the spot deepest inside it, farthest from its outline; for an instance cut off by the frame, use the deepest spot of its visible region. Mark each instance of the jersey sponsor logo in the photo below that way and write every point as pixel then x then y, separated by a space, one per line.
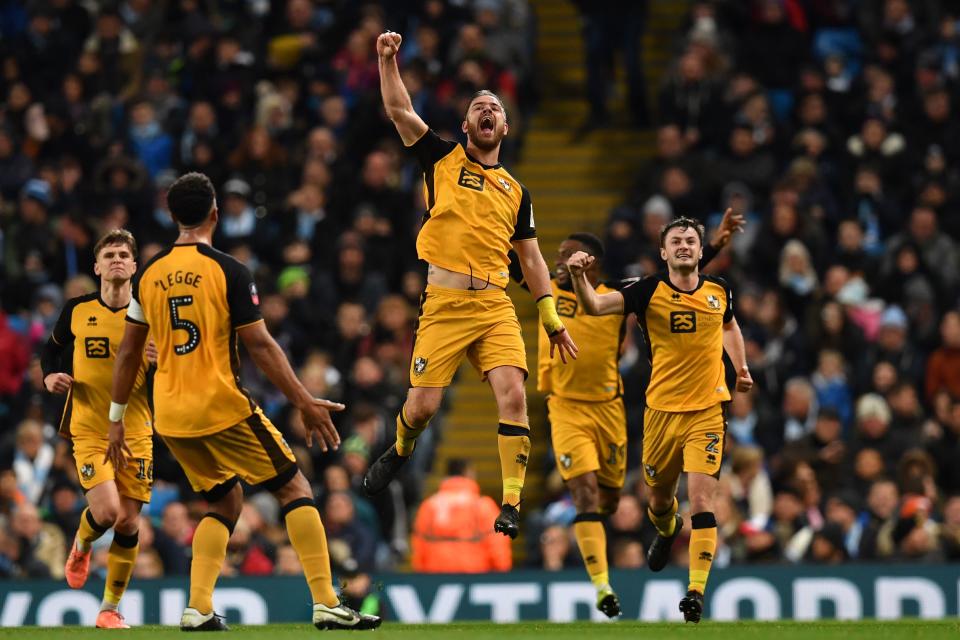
pixel 566 461
pixel 503 183
pixel 683 322
pixel 566 307
pixel 470 180
pixel 87 471
pixel 419 365
pixel 254 296
pixel 713 302
pixel 97 347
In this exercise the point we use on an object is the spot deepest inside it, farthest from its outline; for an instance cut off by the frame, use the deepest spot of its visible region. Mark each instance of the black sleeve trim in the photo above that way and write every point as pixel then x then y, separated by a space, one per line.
pixel 728 313
pixel 709 253
pixel 242 297
pixel 525 228
pixel 430 148
pixel 636 296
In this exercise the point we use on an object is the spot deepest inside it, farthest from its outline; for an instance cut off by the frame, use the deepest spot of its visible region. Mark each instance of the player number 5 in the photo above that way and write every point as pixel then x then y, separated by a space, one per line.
pixel 193 331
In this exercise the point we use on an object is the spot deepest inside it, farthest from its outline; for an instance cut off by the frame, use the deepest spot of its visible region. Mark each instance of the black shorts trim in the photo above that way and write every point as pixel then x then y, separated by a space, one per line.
pixel 277 482
pixel 219 492
pixel 608 487
pixel 281 463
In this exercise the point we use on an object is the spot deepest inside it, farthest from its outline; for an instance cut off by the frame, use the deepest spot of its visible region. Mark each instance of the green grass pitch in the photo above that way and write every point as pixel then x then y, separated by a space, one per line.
pixel 866 630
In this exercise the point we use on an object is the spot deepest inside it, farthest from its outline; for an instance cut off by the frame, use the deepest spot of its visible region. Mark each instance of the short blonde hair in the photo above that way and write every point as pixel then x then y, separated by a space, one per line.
pixel 116 236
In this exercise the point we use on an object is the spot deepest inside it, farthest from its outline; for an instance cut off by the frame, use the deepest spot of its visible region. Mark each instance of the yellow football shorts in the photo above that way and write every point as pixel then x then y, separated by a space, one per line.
pixel 482 325
pixel 252 450
pixel 690 441
pixel 589 436
pixel 133 482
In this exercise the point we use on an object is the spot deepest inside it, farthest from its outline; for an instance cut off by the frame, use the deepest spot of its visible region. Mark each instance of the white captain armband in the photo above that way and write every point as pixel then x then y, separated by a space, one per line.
pixel 135 311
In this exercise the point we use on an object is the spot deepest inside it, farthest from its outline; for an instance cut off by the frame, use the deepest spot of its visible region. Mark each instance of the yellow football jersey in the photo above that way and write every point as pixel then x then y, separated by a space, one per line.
pixel 474 211
pixel 194 298
pixel 684 336
pixel 593 376
pixel 94 331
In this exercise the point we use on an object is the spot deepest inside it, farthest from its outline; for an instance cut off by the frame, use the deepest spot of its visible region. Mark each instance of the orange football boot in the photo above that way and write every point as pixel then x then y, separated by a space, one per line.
pixel 78 566
pixel 111 619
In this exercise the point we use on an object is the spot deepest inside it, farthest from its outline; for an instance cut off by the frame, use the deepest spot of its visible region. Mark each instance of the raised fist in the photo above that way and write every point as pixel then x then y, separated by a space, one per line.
pixel 388 43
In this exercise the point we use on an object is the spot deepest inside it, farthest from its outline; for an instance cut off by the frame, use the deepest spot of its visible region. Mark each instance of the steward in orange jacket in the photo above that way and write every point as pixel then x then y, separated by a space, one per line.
pixel 452 532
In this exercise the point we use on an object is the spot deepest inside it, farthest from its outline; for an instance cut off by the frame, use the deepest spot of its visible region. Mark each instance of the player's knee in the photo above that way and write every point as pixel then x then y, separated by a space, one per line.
pixel 127 523
pixel 513 403
pixel 420 410
pixel 297 488
pixel 106 516
pixel 609 501
pixel 586 497
pixel 229 505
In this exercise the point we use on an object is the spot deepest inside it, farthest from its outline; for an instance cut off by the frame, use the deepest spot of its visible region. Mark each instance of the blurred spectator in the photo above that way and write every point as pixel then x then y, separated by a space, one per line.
pixel 943 367
pixel 609 26
pixel 339 519
pixel 40 547
pixel 32 460
pixel 172 539
pixel 444 541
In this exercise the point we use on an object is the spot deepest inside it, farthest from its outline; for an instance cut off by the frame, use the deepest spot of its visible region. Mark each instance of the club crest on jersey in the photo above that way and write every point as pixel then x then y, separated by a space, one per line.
pixel 566 461
pixel 650 470
pixel 713 302
pixel 503 183
pixel 87 471
pixel 419 365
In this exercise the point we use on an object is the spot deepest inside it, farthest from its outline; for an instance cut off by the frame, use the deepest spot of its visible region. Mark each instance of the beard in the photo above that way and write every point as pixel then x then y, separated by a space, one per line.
pixel 484 144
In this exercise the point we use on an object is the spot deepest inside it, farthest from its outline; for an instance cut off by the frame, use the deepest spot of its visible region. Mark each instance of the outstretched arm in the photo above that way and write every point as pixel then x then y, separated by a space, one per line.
pixel 396 100
pixel 537 278
pixel 733 345
pixel 594 304
pixel 271 359
pixel 125 369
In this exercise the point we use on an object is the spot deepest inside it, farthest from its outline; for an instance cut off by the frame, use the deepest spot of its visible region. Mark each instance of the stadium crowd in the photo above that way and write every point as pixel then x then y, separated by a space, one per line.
pixel 831 126
pixel 278 102
pixel 827 124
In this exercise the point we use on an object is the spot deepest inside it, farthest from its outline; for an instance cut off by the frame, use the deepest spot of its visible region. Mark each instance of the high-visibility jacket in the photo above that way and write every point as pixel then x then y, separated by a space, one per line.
pixel 453 531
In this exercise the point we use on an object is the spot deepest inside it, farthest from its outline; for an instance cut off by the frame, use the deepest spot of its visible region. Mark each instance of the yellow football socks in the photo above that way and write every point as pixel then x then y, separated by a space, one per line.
pixel 309 540
pixel 209 552
pixel 592 541
pixel 703 544
pixel 513 441
pixel 407 434
pixel 88 531
pixel 666 521
pixel 120 560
